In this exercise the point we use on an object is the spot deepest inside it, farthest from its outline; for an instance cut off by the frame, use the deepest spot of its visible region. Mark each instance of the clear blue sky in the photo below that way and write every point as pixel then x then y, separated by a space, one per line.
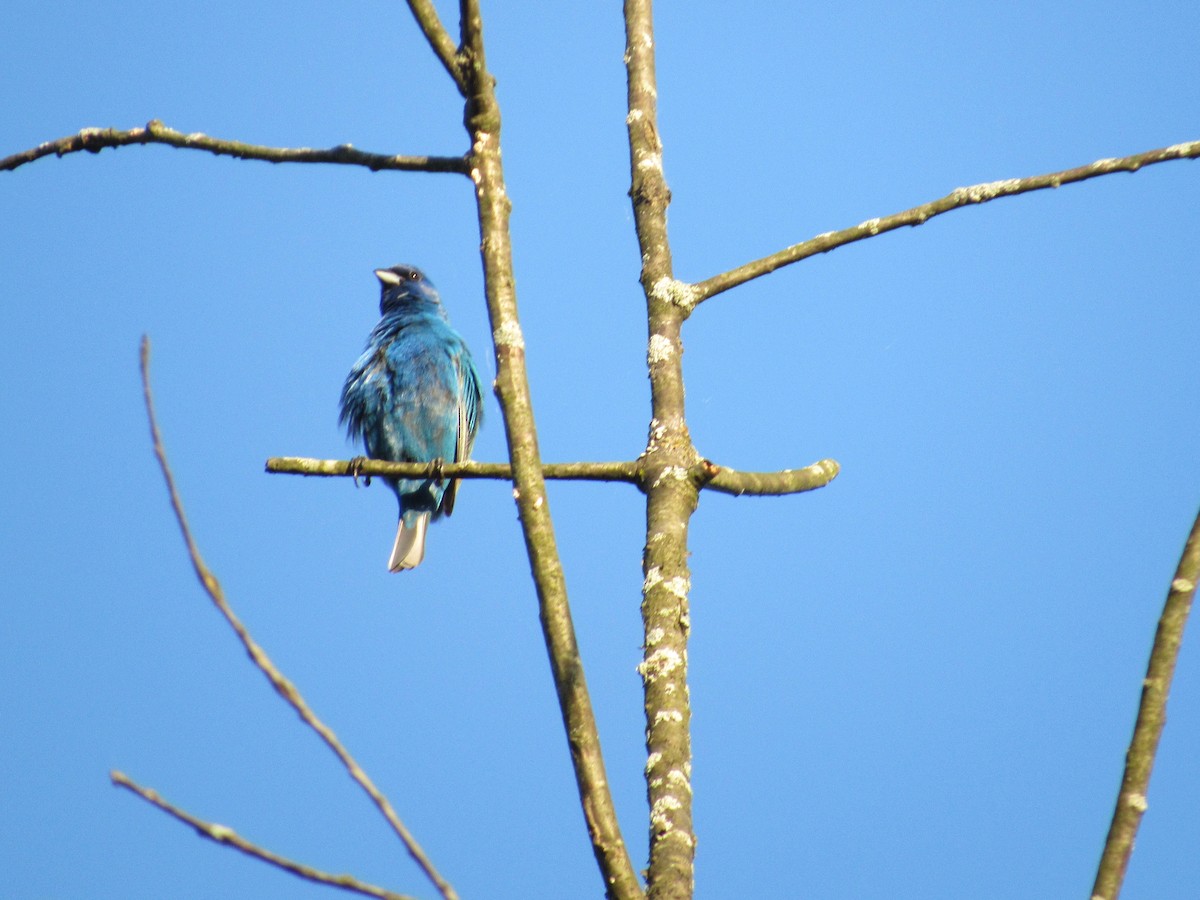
pixel 918 682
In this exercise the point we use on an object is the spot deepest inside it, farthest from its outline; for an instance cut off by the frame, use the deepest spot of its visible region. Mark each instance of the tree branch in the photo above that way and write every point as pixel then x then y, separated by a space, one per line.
pixel 672 488
pixel 1151 717
pixel 230 838
pixel 470 27
pixel 713 477
pixel 787 481
pixel 258 656
pixel 960 197
pixel 93 140
pixel 601 471
pixel 482 119
pixel 439 40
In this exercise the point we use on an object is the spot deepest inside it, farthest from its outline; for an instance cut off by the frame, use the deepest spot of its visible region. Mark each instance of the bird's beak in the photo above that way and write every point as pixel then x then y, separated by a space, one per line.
pixel 387 277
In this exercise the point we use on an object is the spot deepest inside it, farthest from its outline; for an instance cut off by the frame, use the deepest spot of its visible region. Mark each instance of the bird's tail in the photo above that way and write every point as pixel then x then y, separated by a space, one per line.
pixel 409 548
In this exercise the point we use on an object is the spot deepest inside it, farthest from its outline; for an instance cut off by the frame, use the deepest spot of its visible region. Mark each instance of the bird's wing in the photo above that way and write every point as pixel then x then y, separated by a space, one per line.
pixel 364 393
pixel 469 401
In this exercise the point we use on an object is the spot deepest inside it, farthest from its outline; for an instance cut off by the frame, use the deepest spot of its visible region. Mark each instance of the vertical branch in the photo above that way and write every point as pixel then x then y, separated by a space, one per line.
pixel 671 462
pixel 1151 717
pixel 482 119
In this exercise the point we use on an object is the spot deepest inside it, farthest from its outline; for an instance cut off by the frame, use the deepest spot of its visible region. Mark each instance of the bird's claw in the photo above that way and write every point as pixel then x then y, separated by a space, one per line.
pixel 355 470
pixel 435 469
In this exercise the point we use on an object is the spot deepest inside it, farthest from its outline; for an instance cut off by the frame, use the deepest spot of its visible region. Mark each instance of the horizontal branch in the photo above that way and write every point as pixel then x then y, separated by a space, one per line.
pixel 712 476
pixel 230 838
pixel 964 196
pixel 93 140
pixel 295 465
pixel 787 481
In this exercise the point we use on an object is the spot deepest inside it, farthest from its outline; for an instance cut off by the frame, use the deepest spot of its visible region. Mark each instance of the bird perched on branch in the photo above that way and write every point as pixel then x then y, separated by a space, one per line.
pixel 414 396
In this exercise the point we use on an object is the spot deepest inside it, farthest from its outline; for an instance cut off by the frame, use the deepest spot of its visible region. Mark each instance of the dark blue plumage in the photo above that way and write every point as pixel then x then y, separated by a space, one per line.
pixel 414 396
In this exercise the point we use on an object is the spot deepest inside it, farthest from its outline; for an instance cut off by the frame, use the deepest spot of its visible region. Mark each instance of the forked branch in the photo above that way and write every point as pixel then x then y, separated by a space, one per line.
pixel 222 834
pixel 283 687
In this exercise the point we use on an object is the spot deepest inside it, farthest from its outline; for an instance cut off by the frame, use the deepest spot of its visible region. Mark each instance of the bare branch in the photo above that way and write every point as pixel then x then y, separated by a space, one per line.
pixel 230 838
pixel 787 481
pixel 439 40
pixel 1151 717
pixel 672 488
pixel 258 656
pixel 714 477
pixel 482 119
pixel 601 471
pixel 470 23
pixel 93 140
pixel 965 196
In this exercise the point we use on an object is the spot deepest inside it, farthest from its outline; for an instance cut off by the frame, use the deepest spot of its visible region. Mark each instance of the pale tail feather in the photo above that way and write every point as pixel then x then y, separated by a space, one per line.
pixel 409 548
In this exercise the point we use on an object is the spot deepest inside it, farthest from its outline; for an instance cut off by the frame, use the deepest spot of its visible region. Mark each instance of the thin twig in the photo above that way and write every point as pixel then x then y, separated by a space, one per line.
pixel 601 471
pixel 258 656
pixel 960 197
pixel 94 140
pixel 439 40
pixel 1152 716
pixel 222 834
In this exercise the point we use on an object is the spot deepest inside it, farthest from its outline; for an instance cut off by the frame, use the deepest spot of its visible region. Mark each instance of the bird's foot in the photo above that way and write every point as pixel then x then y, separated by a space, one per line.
pixel 435 469
pixel 355 470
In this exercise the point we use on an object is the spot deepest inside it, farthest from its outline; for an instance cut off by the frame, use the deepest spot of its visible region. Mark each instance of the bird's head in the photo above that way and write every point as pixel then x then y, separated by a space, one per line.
pixel 403 285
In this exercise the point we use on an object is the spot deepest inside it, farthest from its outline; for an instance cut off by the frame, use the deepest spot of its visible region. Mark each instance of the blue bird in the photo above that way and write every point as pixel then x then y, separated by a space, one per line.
pixel 414 396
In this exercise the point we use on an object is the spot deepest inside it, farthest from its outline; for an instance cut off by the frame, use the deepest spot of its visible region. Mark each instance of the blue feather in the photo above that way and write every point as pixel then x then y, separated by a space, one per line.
pixel 414 396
